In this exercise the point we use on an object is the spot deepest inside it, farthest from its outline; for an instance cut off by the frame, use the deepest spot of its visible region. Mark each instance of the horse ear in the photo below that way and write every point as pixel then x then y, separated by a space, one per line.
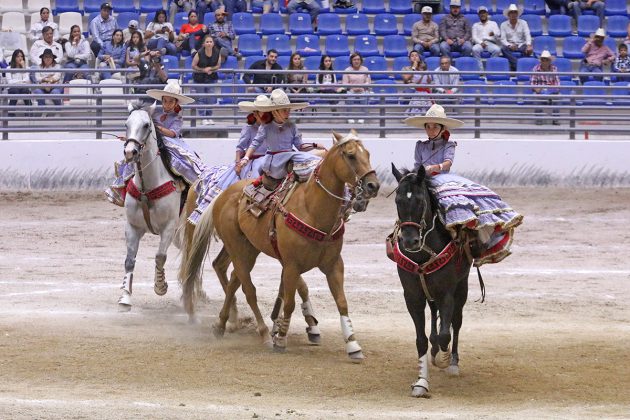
pixel 421 173
pixel 336 137
pixel 354 132
pixel 396 172
pixel 152 108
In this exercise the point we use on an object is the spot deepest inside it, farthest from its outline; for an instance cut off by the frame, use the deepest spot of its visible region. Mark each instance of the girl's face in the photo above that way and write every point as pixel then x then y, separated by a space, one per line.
pixel 296 60
pixel 135 38
pixel 209 42
pixel 44 15
pixel 327 62
pixel 414 57
pixel 118 37
pixel 161 18
pixel 281 115
pixel 432 129
pixel 168 103
pixel 356 62
pixel 47 60
pixel 19 59
pixel 76 32
pixel 258 116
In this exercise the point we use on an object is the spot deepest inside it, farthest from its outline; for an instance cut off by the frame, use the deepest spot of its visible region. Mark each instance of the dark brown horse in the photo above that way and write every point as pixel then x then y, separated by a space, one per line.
pixel 307 229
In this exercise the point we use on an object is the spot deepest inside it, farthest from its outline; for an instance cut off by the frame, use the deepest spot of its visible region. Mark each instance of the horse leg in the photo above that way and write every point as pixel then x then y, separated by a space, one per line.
pixel 132 237
pixel 160 285
pixel 278 307
pixel 221 264
pixel 461 295
pixel 290 275
pixel 442 357
pixel 314 336
pixel 334 276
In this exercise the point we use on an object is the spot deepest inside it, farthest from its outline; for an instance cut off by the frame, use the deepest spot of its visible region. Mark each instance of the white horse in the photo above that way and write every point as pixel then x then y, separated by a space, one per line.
pixel 152 200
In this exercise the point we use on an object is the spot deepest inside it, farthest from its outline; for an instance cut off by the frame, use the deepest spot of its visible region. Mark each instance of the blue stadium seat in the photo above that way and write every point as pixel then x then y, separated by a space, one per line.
pixel 399 7
pixel 593 88
pixel 373 6
pixel 622 91
pixel 227 92
pixel 395 46
pixel 300 23
pixel 124 18
pixel 616 7
pixel 472 18
pixel 328 24
pixel 399 63
pixel 544 42
pixel 534 7
pixel 150 6
pixel 187 77
pixel 572 47
pixel 499 19
pixel 357 24
pixel 63 6
pixel 563 65
pixel 437 18
pixel 385 87
pixel 280 43
pixel 535 24
pixel 230 63
pixel 209 19
pixel 587 25
pixel 432 63
pixel 251 60
pixel 308 45
pixel 475 4
pixel 283 61
pixel 312 63
pixel 366 45
pixel 91 6
pixel 559 25
pixel 376 63
pixel 180 19
pixel 122 6
pixel 567 88
pixel 243 23
pixel 249 44
pixel 617 26
pixel 498 64
pixel 408 21
pixel 337 45
pixel 481 91
pixel 503 5
pixel 525 64
pixel 271 23
pixel 340 64
pixel 467 64
pixel 611 43
pixel 385 24
pixel 171 62
pixel 504 87
pixel 345 11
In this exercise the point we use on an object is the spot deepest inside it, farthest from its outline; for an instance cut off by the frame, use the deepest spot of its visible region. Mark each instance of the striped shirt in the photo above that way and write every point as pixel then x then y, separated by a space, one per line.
pixel 544 79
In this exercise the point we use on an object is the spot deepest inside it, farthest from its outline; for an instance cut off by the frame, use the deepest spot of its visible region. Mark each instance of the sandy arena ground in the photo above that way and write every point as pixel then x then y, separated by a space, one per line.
pixel 552 340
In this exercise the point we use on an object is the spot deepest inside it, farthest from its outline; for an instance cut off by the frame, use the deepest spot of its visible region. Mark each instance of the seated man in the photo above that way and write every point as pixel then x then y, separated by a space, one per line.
pixel 46 43
pixel 456 32
pixel 596 55
pixel 446 82
pixel 102 28
pixel 598 6
pixel 177 6
pixel 268 80
pixel 485 36
pixel 546 84
pixel 223 33
pixel 425 33
pixel 312 6
pixel 515 36
pixel 151 72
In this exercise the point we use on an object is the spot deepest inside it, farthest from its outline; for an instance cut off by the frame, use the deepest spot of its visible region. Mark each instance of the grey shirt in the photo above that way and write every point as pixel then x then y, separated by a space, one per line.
pixel 454 27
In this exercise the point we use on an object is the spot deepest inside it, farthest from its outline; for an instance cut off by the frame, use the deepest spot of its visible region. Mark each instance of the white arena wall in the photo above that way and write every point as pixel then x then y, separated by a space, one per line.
pixel 88 164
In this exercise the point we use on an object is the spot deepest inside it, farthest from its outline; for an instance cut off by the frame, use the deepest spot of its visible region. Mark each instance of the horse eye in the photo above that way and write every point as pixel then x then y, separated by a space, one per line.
pixel 146 125
pixel 351 156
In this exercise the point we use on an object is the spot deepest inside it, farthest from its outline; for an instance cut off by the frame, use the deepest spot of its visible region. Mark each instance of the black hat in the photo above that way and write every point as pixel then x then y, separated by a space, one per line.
pixel 46 52
pixel 106 6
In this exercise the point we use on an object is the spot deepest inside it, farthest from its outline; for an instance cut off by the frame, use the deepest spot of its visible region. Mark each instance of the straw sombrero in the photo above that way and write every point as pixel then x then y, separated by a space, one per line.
pixel 279 100
pixel 249 106
pixel 173 90
pixel 512 8
pixel 435 114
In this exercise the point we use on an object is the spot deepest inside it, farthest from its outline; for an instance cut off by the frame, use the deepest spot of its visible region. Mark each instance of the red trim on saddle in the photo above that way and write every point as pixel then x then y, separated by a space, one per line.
pixel 497 247
pixel 431 266
pixel 155 194
pixel 304 229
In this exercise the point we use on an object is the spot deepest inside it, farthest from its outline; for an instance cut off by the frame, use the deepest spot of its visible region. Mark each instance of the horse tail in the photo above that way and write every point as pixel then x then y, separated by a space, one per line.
pixel 194 250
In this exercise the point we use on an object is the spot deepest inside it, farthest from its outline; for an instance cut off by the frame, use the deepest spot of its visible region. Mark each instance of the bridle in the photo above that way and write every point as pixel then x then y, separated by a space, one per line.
pixel 422 226
pixel 140 147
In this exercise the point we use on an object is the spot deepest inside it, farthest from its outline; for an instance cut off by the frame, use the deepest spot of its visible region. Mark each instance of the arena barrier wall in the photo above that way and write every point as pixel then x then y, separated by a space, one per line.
pixel 88 164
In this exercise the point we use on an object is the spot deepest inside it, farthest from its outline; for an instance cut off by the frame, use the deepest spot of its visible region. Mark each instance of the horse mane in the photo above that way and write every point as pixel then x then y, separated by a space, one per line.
pixel 164 153
pixel 432 199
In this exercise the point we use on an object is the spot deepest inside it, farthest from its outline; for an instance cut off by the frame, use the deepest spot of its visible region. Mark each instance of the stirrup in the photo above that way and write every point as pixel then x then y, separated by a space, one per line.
pixel 114 197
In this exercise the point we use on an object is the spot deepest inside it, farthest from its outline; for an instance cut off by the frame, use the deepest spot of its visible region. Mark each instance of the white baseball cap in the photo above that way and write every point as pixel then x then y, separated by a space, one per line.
pixel 427 9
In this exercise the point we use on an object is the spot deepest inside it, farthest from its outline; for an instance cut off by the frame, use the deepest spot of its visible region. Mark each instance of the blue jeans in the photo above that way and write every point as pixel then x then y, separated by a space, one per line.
pixel 465 49
pixel 53 91
pixel 589 68
pixel 576 7
pixel 205 99
pixel 434 49
pixel 313 8
pixel 156 44
pixel 73 65
pixel 509 54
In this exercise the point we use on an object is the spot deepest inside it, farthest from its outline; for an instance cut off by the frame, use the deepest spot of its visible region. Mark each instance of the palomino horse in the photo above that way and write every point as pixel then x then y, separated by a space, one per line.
pixel 432 267
pixel 311 236
pixel 152 201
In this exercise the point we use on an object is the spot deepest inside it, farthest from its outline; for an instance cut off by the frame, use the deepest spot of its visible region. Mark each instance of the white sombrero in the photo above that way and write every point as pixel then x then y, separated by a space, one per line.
pixel 512 8
pixel 279 100
pixel 249 106
pixel 435 114
pixel 172 89
pixel 547 54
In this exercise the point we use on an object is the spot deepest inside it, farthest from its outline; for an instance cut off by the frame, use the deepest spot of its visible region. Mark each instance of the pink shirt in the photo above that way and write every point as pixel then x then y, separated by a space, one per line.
pixel 356 79
pixel 595 55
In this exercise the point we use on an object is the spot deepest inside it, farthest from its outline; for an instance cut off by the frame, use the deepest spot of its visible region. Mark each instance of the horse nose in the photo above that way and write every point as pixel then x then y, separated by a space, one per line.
pixel 372 188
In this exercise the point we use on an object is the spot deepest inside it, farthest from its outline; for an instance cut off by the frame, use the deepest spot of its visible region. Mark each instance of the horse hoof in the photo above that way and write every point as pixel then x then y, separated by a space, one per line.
pixel 442 359
pixel 160 289
pixel 314 339
pixel 218 331
pixel 124 307
pixel 356 357
pixel 418 391
pixel 452 370
pixel 279 349
pixel 268 343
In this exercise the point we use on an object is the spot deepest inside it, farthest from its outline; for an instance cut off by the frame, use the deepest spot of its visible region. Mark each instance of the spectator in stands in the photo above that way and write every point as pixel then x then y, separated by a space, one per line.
pixel 312 6
pixel 296 63
pixel 326 81
pixel 223 33
pixel 102 28
pixel 14 80
pixel 78 54
pixel 622 63
pixel 135 51
pixel 188 40
pixel 598 6
pixel 44 20
pixel 205 65
pixel 358 82
pixel 596 55
pixel 486 36
pixel 48 73
pixel 446 83
pixel 230 6
pixel 558 6
pixel 269 63
pixel 112 55
pixel 46 43
pixel 151 72
pixel 132 27
pixel 179 6
pixel 160 34
pixel 265 5
pixel 421 81
pixel 455 31
pixel 547 84
pixel 425 33
pixel 515 36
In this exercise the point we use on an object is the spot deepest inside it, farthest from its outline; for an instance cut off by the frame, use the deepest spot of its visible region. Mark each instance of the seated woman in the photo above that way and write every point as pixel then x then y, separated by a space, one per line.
pixel 112 55
pixel 134 52
pixel 326 80
pixel 188 39
pixel 421 83
pixel 471 212
pixel 17 80
pixel 184 162
pixel 48 74
pixel 296 63
pixel 78 53
pixel 160 35
pixel 360 79
pixel 205 65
